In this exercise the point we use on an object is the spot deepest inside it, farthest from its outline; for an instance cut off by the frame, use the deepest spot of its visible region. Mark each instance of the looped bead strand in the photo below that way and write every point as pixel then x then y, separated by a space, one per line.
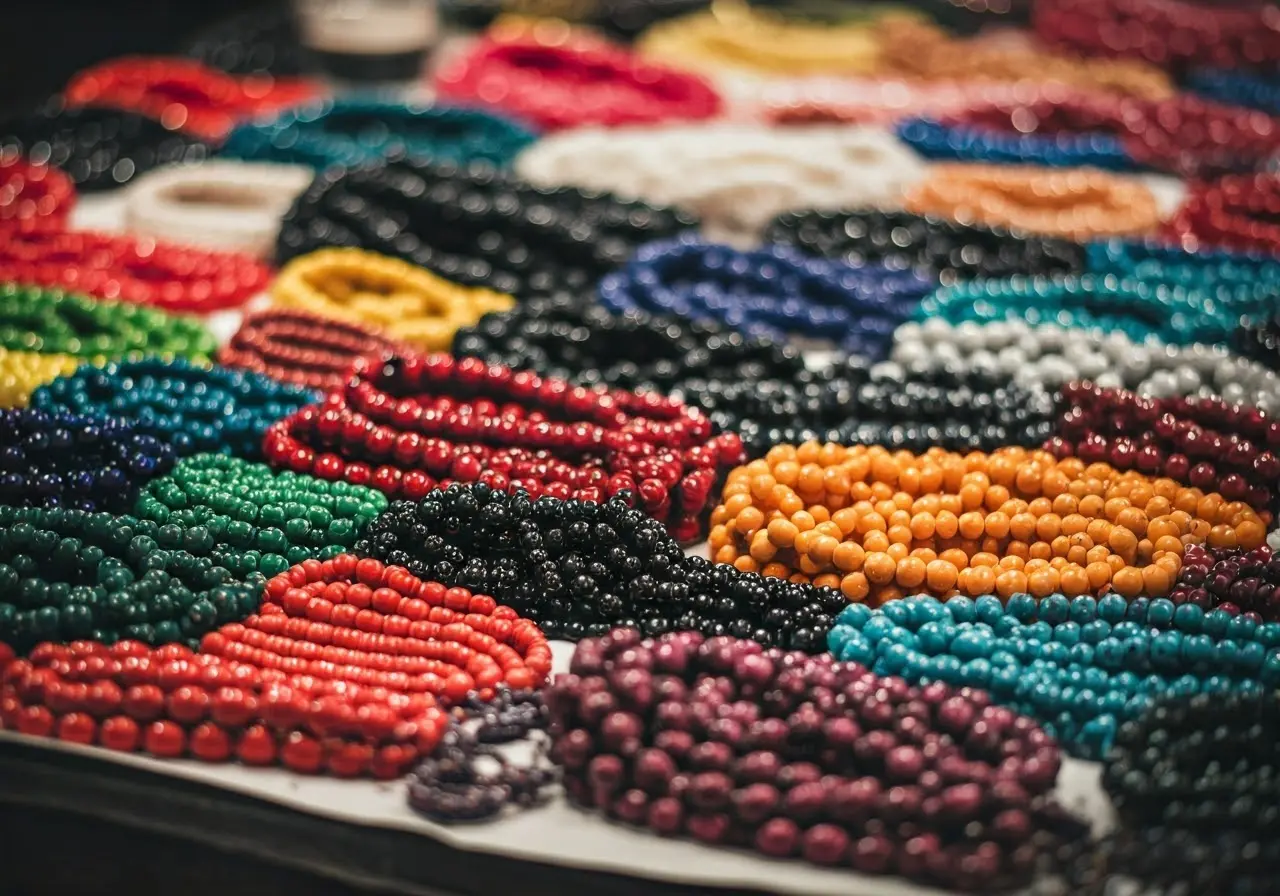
pixel 1236 581
pixel 29 190
pixel 1234 212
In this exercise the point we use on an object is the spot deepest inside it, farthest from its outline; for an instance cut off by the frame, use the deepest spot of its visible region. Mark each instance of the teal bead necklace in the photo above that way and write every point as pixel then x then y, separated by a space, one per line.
pixel 70 575
pixel 1081 666
pixel 253 520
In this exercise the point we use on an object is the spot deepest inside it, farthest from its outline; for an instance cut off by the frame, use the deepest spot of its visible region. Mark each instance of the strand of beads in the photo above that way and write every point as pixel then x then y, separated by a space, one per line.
pixel 65 460
pixel 1260 341
pixel 1237 88
pixel 944 249
pixel 21 373
pixel 734 176
pixel 1082 666
pixel 261 42
pixel 1079 204
pixel 1234 212
pixel 100 149
pixel 184 94
pixel 351 132
pixel 301 348
pixel 409 304
pixel 773 292
pixel 570 80
pixel 406 423
pixel 1209 444
pixel 475 226
pixel 1230 579
pixel 258 520
pixel 52 322
pixel 29 190
pixel 880 524
pixel 348 667
pixel 882 101
pixel 166 275
pixel 69 575
pixel 193 408
pixel 584 568
pixel 736 745
pixel 220 204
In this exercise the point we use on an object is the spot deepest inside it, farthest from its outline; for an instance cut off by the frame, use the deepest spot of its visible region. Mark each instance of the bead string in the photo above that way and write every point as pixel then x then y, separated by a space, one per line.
pixel 351 132
pixel 1239 582
pixel 882 524
pixel 1234 212
pixel 409 304
pixel 260 42
pixel 347 667
pixel 29 190
pixel 21 373
pixel 882 101
pixel 1235 88
pixel 1260 341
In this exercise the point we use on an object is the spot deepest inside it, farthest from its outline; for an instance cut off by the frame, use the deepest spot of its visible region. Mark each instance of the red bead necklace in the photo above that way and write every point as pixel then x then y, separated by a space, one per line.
pixel 185 95
pixel 348 667
pixel 1238 212
pixel 300 347
pixel 409 423
pixel 175 278
pixel 34 192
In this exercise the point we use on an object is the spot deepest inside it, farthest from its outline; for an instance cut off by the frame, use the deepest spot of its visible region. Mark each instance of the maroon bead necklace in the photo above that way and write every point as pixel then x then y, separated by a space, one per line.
pixel 1238 212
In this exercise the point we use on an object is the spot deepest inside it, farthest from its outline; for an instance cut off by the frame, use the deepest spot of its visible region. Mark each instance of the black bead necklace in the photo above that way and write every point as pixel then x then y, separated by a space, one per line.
pixel 1261 342
pixel 261 42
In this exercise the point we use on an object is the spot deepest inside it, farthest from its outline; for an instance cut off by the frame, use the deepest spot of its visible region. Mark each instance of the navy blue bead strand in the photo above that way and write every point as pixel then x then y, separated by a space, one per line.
pixel 961 142
pixel 1238 88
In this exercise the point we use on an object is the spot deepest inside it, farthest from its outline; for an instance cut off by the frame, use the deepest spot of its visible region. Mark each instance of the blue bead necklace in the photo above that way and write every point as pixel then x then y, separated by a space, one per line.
pixel 773 292
pixel 1082 666
pixel 1238 88
pixel 937 140
pixel 192 408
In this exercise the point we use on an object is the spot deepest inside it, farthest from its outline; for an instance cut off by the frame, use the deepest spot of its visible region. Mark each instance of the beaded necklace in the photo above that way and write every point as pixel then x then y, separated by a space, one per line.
pixel 262 42
pixel 409 304
pixel 193 408
pixel 882 101
pixel 1236 88
pixel 21 373
pixel 1231 579
pixel 408 423
pixel 29 190
pixel 1082 666
pixel 350 132
pixel 1260 341
pixel 1234 212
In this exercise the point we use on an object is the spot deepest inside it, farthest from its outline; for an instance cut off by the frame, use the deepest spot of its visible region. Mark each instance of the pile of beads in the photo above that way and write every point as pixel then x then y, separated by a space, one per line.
pixel 737 745
pixel 21 373
pixel 1049 355
pixel 579 568
pixel 1209 444
pixel 407 423
pixel 166 275
pixel 1231 579
pixel 262 42
pixel 184 94
pixel 1235 88
pixel 224 205
pixel 65 460
pixel 99 149
pixel 943 249
pixel 355 131
pixel 301 348
pixel 772 292
pixel 735 177
pixel 409 304
pixel 52 322
pixel 193 408
pixel 71 575
pixel 260 521
pixel 476 226
pixel 881 524
pixel 560 78
pixel 28 191
pixel 1234 212
pixel 1077 204
pixel 347 667
pixel 1083 666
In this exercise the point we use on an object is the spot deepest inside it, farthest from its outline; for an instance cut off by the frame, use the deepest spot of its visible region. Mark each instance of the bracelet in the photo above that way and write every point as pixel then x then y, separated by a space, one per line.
pixel 772 292
pixel 588 446
pixel 193 408
pixel 1133 652
pixel 1232 580
pixel 939 248
pixel 29 190
pixel 220 205
pixel 1237 88
pixel 1003 523
pixel 1173 34
pixel 563 78
pixel 630 558
pixel 184 94
pixel 21 373
pixel 301 348
pixel 351 132
pixel 262 42
pixel 317 679
pixel 100 149
pixel 735 177
pixel 1208 443
pixel 66 460
pixel 52 322
pixel 744 789
pixel 1234 212
pixel 259 521
pixel 409 304
pixel 164 275
pixel 475 226
pixel 1076 204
